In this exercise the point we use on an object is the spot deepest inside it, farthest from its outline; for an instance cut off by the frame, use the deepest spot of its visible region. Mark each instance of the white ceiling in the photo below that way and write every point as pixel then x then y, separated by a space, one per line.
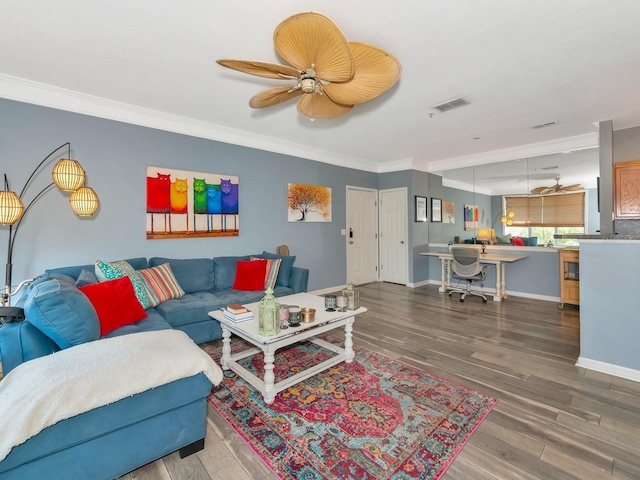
pixel 519 63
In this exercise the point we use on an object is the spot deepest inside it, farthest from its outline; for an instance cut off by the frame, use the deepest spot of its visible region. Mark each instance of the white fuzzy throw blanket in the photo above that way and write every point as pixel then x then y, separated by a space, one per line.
pixel 46 390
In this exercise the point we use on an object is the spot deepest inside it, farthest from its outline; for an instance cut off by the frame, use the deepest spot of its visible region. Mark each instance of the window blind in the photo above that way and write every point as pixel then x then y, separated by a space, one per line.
pixel 565 210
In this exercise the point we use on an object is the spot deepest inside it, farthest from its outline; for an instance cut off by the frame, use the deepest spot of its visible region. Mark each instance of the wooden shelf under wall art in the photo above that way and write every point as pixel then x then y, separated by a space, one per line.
pixel 626 190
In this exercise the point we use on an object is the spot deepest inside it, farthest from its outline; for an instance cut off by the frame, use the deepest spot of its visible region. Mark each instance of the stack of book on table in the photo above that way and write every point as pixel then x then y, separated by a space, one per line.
pixel 237 313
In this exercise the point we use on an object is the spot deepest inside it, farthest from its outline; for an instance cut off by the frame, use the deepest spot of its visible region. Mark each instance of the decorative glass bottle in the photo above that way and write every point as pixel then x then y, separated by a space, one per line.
pixel 268 315
pixel 353 297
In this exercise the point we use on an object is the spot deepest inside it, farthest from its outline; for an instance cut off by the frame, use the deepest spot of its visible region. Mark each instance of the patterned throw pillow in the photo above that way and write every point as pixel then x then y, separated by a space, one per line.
pixel 161 282
pixel 273 266
pixel 113 270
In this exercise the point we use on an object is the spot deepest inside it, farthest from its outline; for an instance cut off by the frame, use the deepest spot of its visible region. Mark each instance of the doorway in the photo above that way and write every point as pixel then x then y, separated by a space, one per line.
pixel 393 235
pixel 362 235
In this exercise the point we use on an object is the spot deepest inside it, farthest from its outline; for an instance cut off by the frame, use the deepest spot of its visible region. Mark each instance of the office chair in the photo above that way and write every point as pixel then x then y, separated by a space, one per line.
pixel 466 266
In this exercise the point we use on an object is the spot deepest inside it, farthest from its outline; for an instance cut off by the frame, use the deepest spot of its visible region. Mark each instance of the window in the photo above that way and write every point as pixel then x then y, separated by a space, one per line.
pixel 546 216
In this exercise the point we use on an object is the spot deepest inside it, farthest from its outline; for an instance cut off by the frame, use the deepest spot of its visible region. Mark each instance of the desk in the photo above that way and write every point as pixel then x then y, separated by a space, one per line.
pixel 497 259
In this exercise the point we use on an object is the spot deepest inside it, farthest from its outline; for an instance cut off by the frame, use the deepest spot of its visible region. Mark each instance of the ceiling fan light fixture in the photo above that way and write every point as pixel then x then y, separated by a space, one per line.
pixel 323 62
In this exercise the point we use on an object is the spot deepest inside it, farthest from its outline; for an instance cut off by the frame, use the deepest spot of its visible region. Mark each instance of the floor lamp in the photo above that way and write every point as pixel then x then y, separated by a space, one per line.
pixel 69 176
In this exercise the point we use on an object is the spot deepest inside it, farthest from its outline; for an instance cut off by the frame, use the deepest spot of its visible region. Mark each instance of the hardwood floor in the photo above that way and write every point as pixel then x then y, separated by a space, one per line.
pixel 553 420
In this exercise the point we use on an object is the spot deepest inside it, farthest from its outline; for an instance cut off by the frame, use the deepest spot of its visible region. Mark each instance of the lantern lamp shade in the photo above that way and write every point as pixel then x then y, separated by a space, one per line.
pixel 84 202
pixel 486 235
pixel 353 296
pixel 68 175
pixel 268 315
pixel 11 207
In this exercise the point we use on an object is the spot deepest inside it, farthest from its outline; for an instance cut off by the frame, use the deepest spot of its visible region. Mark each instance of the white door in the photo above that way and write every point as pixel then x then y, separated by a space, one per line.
pixel 362 235
pixel 393 235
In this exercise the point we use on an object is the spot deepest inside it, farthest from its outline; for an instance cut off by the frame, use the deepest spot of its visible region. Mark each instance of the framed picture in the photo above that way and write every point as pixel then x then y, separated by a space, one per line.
pixel 436 209
pixel 471 217
pixel 187 204
pixel 421 209
pixel 448 212
pixel 308 203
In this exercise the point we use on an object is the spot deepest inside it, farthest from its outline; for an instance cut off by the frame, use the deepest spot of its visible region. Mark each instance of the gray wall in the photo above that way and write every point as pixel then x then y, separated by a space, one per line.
pixel 447 231
pixel 609 329
pixel 115 156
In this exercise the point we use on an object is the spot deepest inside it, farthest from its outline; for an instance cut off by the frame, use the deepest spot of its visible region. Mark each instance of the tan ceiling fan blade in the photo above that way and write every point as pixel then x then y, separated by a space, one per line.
pixel 573 188
pixel 273 96
pixel 376 72
pixel 260 69
pixel 314 105
pixel 311 38
pixel 538 190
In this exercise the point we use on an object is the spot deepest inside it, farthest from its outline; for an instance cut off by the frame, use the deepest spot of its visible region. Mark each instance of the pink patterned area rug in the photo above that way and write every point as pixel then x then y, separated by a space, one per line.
pixel 375 418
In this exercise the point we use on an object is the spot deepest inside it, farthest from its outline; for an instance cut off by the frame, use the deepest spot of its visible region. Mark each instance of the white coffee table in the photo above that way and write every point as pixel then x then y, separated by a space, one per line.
pixel 324 321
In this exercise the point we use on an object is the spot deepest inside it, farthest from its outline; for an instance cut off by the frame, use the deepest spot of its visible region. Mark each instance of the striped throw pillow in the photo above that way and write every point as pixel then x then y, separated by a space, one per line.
pixel 273 266
pixel 161 282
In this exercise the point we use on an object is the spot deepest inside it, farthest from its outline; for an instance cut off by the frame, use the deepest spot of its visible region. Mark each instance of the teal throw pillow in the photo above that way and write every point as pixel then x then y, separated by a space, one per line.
pixel 113 270
pixel 62 312
pixel 504 238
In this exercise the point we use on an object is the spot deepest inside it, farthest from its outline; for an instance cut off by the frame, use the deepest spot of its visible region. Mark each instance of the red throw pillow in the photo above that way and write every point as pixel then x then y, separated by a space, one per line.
pixel 250 275
pixel 115 302
pixel 518 242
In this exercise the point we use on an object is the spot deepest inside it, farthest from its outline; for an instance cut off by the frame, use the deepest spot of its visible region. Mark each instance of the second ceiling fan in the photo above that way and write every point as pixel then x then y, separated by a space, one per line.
pixel 557 188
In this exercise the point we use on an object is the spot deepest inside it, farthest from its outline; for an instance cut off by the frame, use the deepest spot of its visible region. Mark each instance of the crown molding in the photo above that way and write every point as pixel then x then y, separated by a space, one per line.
pixel 22 90
pixel 579 142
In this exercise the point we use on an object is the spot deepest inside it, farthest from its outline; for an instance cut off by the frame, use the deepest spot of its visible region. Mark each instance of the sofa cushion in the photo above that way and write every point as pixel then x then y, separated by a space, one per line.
pixel 86 277
pixel 154 321
pixel 190 308
pixel 62 312
pixel 161 283
pixel 112 270
pixel 115 302
pixel 193 275
pixel 284 272
pixel 250 275
pixel 225 271
pixel 74 271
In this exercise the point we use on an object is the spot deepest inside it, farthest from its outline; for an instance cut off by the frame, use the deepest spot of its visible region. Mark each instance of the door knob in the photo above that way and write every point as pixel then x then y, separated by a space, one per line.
pixel 351 242
pixel 401 242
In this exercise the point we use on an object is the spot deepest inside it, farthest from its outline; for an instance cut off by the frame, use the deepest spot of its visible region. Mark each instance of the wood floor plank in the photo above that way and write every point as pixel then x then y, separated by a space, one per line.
pixel 218 460
pixel 152 471
pixel 553 421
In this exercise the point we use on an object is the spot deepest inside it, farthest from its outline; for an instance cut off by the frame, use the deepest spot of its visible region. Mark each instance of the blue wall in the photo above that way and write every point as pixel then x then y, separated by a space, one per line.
pixel 115 156
pixel 609 328
pixel 445 232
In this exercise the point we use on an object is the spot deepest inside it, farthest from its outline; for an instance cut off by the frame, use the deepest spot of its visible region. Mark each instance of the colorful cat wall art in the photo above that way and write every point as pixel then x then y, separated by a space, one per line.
pixel 182 204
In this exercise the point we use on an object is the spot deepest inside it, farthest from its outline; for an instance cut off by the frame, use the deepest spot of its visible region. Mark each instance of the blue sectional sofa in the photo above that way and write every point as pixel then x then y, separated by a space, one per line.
pixel 120 437
pixel 207 283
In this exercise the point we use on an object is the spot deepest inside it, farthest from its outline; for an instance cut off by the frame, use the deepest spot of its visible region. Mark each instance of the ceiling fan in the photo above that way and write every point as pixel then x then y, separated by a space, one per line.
pixel 331 74
pixel 557 188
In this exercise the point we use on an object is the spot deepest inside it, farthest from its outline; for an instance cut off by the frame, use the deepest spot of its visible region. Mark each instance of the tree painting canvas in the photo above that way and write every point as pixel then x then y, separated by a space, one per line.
pixel 309 203
pixel 184 204
pixel 448 212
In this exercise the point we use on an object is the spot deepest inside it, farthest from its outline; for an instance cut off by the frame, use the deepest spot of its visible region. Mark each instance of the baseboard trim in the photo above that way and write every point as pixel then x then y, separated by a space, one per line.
pixel 609 368
pixel 325 291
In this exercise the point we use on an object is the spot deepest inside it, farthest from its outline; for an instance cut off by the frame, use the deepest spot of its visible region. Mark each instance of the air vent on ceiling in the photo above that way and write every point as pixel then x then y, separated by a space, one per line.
pixel 451 104
pixel 544 125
